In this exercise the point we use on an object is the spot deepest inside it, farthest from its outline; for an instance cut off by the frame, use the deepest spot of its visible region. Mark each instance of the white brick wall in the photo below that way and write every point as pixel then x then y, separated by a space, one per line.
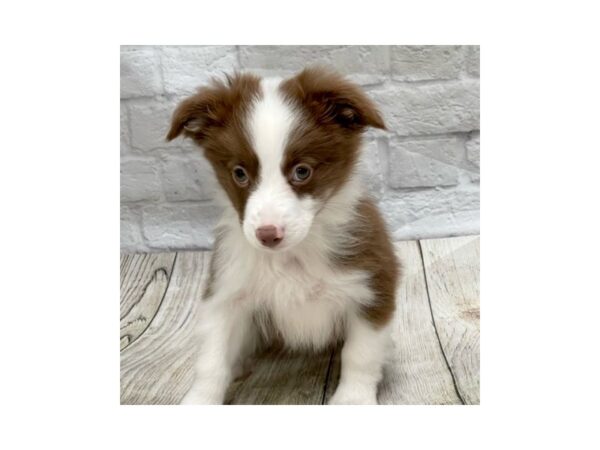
pixel 424 171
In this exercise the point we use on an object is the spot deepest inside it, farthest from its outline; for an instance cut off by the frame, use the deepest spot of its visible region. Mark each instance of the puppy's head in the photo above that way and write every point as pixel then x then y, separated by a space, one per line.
pixel 280 149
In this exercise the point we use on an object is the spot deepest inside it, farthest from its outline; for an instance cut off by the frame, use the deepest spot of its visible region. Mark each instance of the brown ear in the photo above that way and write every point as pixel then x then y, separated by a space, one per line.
pixel 333 99
pixel 196 114
pixel 213 106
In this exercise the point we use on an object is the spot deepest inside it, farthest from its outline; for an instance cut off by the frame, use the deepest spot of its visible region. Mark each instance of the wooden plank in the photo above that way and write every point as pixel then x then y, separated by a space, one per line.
pixel 333 376
pixel 157 367
pixel 144 281
pixel 280 377
pixel 452 270
pixel 416 372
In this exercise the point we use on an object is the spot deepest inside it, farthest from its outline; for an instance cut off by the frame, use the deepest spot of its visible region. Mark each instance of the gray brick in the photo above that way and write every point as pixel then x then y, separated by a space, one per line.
pixel 150 122
pixel 370 164
pixel 472 60
pixel 432 212
pixel 140 181
pixel 447 149
pixel 431 108
pixel 426 62
pixel 140 73
pixel 187 68
pixel 130 230
pixel 472 146
pixel 407 170
pixel 124 128
pixel 134 48
pixel 365 64
pixel 188 177
pixel 179 225
pixel 425 162
pixel 187 146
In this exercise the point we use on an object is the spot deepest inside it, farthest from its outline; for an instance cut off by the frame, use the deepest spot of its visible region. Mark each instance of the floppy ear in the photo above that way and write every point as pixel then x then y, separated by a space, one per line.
pixel 196 114
pixel 333 99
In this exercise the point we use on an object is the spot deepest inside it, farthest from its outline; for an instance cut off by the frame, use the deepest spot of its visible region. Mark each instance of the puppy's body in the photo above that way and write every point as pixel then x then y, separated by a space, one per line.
pixel 301 253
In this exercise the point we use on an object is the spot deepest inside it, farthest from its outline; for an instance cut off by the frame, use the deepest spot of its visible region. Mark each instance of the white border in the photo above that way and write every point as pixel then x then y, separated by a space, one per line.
pixel 60 224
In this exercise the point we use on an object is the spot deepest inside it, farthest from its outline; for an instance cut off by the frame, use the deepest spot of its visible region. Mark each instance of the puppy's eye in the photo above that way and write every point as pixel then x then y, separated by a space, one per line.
pixel 301 173
pixel 240 176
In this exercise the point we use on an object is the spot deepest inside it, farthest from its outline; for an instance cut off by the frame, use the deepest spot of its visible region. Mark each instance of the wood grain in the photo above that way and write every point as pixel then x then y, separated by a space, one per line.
pixel 157 367
pixel 280 377
pixel 144 281
pixel 417 372
pixel 452 270
pixel 434 360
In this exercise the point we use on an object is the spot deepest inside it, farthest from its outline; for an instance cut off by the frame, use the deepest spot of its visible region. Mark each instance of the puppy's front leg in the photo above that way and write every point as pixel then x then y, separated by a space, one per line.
pixel 363 356
pixel 223 334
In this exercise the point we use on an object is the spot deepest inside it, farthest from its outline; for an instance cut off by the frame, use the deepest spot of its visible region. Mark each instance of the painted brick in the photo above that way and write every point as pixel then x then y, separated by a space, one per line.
pixel 472 146
pixel 364 64
pixel 473 60
pixel 443 224
pixel 430 108
pixel 426 62
pixel 187 68
pixel 177 226
pixel 428 212
pixel 370 165
pixel 150 122
pixel 140 73
pixel 188 177
pixel 140 181
pixel 424 162
pixel 124 129
pixel 131 231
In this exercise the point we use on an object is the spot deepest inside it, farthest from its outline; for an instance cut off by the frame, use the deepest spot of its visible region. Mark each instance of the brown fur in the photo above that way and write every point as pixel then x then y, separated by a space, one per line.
pixel 214 118
pixel 336 114
pixel 328 140
pixel 331 99
pixel 373 252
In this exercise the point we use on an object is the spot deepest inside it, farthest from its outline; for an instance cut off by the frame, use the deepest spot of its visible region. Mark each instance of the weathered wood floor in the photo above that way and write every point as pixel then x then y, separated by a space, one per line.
pixel 436 333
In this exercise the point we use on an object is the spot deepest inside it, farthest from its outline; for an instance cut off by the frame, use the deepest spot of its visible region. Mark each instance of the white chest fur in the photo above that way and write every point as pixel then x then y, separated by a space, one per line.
pixel 306 301
pixel 301 294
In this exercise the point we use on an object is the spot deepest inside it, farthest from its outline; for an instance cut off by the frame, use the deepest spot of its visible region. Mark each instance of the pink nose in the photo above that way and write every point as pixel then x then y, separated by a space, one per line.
pixel 269 235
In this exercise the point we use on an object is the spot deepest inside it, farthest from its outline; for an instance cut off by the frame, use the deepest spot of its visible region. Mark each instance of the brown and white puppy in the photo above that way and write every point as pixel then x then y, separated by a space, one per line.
pixel 301 252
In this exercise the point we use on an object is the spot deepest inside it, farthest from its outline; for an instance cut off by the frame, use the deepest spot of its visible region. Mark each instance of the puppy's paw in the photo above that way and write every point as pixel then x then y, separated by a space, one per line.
pixel 196 396
pixel 350 396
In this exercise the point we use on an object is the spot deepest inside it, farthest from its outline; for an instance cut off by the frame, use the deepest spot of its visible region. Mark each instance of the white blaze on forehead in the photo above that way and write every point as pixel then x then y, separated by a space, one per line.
pixel 270 122
pixel 273 201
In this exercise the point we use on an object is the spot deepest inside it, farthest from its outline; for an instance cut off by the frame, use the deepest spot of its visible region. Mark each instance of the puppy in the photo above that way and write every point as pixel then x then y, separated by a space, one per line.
pixel 301 253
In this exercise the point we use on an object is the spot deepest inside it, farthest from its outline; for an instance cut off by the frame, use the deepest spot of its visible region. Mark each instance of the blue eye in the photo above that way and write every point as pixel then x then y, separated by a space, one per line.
pixel 240 176
pixel 301 173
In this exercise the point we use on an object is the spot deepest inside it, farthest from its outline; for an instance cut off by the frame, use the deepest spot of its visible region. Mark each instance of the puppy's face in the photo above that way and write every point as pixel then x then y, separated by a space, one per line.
pixel 280 149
